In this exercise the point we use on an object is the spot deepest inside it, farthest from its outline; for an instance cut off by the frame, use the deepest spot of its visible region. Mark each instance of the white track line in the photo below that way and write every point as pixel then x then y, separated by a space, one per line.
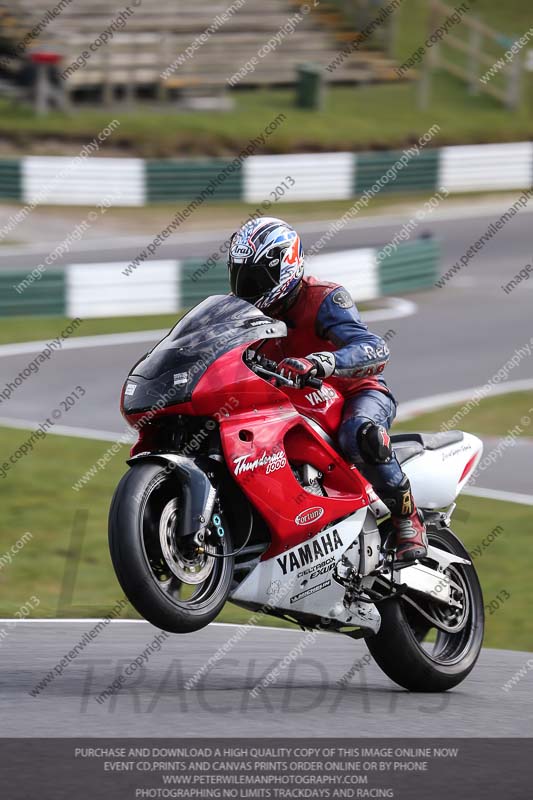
pixel 412 408
pixel 84 342
pixel 397 308
pixel 40 620
pixel 407 411
pixel 497 494
pixel 66 430
pixel 459 210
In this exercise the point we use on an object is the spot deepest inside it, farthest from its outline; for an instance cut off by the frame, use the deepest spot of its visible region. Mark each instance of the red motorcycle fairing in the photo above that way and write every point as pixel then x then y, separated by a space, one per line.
pixel 323 405
pixel 262 435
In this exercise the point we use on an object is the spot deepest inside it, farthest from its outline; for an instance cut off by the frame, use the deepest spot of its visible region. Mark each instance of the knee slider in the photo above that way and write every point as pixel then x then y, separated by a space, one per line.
pixel 374 443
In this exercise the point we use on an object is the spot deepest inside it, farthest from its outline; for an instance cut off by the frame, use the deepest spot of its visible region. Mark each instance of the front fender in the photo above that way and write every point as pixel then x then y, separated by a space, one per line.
pixel 198 493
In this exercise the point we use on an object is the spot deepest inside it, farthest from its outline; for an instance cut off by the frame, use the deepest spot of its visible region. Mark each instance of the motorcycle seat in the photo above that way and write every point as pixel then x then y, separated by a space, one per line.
pixel 408 445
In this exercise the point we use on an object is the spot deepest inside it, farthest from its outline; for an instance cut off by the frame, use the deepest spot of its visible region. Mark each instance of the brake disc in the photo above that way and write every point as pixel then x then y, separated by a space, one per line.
pixel 190 568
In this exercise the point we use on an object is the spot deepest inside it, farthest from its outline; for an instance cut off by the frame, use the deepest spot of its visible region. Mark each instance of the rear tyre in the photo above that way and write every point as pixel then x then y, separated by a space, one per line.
pixel 167 579
pixel 401 647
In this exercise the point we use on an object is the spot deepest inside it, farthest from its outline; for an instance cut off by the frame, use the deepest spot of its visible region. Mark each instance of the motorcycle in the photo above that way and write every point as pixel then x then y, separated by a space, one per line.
pixel 238 492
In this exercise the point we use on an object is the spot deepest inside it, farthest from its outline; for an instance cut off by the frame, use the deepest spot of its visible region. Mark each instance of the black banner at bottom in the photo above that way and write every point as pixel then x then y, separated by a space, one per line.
pixel 294 769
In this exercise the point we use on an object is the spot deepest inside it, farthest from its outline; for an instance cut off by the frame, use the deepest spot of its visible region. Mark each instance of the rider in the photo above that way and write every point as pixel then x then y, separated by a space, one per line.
pixel 327 339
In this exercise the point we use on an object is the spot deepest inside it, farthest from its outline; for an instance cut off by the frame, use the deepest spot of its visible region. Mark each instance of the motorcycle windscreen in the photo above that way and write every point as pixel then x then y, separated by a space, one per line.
pixel 168 373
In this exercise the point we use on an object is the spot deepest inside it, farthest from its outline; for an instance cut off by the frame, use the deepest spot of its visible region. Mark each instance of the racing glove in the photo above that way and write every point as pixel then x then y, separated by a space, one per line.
pixel 297 369
pixel 325 363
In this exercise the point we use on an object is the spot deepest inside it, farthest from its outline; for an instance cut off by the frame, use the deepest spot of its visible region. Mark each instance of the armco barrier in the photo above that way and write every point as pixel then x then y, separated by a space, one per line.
pixel 314 176
pixel 420 172
pixel 485 167
pixel 184 180
pixel 75 181
pixel 48 297
pixel 168 286
pixel 196 283
pixel 10 179
pixel 413 266
pixel 102 290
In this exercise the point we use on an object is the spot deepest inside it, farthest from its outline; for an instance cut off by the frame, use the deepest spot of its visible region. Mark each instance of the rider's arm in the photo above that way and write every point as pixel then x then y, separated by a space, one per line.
pixel 360 352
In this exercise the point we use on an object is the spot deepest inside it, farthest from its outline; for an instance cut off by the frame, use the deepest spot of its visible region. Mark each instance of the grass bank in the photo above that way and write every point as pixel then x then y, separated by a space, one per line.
pixel 494 416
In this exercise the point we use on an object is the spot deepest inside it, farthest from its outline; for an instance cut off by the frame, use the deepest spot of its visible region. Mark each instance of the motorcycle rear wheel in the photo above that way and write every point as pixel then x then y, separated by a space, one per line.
pixel 401 648
pixel 166 579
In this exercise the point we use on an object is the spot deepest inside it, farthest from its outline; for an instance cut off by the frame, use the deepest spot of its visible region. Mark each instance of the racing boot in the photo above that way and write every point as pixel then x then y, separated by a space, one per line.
pixel 410 531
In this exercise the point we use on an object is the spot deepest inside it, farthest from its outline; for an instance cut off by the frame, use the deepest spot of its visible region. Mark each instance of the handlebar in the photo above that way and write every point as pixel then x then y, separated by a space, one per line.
pixel 269 369
pixel 314 383
pixel 268 374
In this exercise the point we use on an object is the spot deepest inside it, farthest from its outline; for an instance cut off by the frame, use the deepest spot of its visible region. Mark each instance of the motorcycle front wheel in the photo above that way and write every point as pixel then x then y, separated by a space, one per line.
pixel 415 653
pixel 171 581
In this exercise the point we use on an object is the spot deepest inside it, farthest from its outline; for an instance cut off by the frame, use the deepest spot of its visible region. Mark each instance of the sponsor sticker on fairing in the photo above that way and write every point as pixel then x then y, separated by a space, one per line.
pixel 311 590
pixel 271 461
pixel 306 554
pixel 321 395
pixel 309 515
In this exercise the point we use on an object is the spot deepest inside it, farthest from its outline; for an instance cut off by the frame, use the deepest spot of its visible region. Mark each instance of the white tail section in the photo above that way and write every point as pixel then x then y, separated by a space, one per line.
pixel 437 476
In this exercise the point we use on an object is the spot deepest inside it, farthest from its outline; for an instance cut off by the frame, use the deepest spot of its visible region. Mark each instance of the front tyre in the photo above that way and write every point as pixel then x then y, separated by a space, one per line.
pixel 416 654
pixel 172 583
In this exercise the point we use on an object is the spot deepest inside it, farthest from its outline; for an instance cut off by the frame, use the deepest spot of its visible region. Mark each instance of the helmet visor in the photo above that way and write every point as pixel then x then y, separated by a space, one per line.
pixel 252 282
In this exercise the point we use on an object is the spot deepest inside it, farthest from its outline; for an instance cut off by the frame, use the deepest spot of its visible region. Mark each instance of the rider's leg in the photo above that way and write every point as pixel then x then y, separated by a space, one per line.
pixel 364 440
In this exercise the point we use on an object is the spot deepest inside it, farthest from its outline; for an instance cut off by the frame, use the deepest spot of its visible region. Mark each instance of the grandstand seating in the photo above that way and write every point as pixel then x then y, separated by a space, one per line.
pixel 158 31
